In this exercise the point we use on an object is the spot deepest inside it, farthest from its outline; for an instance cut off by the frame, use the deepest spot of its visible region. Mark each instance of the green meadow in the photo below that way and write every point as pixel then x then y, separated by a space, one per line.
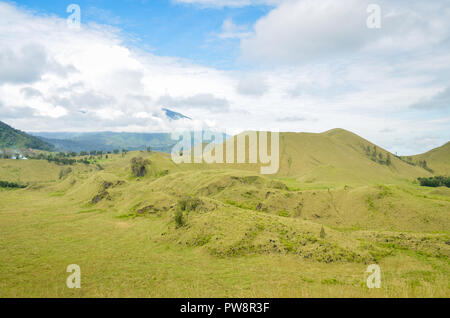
pixel 198 230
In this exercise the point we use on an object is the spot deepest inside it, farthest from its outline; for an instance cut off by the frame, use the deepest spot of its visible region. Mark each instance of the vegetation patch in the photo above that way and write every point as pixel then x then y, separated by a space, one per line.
pixel 138 166
pixel 436 181
pixel 103 193
pixel 11 185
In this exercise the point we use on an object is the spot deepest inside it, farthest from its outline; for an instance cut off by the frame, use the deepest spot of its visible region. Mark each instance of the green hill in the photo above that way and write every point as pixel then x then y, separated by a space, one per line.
pixel 309 231
pixel 15 139
pixel 437 159
pixel 337 157
pixel 341 156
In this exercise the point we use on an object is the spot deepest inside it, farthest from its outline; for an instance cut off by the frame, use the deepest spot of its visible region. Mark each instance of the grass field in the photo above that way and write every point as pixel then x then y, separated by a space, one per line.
pixel 244 234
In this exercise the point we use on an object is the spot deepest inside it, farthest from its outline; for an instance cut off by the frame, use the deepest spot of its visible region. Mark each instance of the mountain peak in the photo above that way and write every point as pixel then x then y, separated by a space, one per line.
pixel 174 115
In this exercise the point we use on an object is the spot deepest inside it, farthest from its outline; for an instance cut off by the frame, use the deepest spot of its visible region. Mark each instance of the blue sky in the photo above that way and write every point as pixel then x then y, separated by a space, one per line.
pixel 231 65
pixel 166 27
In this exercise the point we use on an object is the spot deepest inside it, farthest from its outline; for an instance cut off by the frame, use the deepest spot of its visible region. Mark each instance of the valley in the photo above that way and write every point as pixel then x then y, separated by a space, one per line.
pixel 225 230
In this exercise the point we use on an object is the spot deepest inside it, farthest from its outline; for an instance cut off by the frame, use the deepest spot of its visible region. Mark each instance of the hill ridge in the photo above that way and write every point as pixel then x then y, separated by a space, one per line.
pixel 12 138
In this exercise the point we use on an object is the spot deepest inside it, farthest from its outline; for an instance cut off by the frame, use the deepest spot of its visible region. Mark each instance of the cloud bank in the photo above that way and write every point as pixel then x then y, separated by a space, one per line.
pixel 307 66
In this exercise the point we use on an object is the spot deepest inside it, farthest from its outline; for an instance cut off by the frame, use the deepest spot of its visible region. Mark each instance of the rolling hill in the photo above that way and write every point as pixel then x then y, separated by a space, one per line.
pixel 437 159
pixel 15 139
pixel 338 157
pixel 235 224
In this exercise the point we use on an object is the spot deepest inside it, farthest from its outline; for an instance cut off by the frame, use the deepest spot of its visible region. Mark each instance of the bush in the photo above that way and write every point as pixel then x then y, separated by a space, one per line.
pixel 179 218
pixel 322 233
pixel 138 166
pixel 64 172
pixel 6 184
pixel 189 204
pixel 61 161
pixel 184 206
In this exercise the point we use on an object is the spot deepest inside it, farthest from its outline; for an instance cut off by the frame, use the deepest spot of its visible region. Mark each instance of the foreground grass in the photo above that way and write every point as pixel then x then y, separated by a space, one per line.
pixel 223 250
pixel 126 258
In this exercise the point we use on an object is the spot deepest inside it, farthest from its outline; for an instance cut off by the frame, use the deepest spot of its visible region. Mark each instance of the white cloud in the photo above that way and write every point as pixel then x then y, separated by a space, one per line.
pixel 440 101
pixel 301 31
pixel 230 30
pixel 252 85
pixel 228 3
pixel 28 64
pixel 92 81
pixel 206 101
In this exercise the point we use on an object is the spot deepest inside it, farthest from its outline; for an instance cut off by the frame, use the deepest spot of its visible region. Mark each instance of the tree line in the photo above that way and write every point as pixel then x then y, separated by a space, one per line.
pixel 7 184
pixel 436 181
pixel 377 156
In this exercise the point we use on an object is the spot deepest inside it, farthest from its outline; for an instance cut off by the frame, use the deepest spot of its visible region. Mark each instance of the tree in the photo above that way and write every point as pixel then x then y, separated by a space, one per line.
pixel 149 149
pixel 138 166
pixel 116 151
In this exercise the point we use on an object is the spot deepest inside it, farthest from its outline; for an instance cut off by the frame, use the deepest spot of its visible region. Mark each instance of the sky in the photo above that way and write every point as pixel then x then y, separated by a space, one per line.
pixel 230 65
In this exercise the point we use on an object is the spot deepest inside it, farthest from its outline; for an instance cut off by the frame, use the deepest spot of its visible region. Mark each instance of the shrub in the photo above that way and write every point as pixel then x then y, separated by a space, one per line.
pixel 322 233
pixel 189 203
pixel 6 184
pixel 179 218
pixel 64 172
pixel 138 166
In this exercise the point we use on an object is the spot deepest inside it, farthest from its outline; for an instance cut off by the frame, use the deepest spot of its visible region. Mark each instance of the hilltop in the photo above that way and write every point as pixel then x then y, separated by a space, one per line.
pixel 15 139
pixel 338 157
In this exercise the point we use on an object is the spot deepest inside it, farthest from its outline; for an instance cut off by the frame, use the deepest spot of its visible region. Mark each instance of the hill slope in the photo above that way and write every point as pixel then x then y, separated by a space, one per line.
pixel 437 159
pixel 338 157
pixel 238 227
pixel 16 139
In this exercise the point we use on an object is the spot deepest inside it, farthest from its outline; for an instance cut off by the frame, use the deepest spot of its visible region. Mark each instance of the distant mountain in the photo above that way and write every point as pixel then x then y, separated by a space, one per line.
pixel 15 139
pixel 174 115
pixel 108 141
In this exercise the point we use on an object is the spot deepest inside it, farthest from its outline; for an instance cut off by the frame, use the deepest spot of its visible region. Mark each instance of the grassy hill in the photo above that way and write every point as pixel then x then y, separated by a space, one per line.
pixel 339 156
pixel 437 159
pixel 241 234
pixel 336 157
pixel 15 139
